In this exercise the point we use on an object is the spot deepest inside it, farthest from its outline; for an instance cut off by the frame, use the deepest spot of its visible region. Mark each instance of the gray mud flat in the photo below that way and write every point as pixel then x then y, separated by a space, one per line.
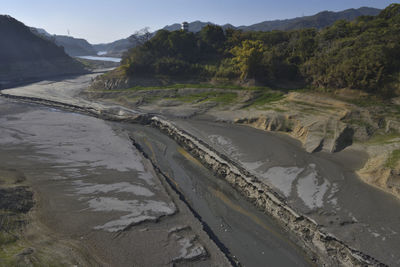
pixel 94 187
pixel 247 235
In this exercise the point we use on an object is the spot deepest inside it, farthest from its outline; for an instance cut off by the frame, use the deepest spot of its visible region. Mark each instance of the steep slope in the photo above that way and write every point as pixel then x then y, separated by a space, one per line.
pixel 25 56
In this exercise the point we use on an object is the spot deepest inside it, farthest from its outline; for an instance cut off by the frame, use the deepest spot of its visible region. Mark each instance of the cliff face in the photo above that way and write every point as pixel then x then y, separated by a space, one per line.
pixel 26 56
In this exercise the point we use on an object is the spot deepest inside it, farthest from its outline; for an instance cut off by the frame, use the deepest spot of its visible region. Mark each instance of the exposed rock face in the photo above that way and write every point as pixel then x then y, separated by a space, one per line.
pixel 377 172
pixel 25 55
pixel 110 84
pixel 325 124
pixel 315 134
pixel 116 80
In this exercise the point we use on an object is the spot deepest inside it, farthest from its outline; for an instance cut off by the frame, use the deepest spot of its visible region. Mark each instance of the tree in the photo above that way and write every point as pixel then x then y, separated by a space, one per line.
pixel 248 57
pixel 213 36
pixel 140 37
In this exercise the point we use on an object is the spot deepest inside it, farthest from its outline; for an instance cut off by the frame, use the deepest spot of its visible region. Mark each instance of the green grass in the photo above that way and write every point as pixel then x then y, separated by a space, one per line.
pixel 219 97
pixel 393 159
pixel 365 101
pixel 266 98
pixel 384 138
pixel 196 86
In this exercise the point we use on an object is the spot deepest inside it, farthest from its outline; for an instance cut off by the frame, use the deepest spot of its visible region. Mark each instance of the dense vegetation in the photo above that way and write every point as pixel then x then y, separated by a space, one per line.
pixel 363 54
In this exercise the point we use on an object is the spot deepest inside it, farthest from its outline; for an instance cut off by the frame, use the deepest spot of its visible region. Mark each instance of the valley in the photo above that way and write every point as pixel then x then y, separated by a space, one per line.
pixel 270 144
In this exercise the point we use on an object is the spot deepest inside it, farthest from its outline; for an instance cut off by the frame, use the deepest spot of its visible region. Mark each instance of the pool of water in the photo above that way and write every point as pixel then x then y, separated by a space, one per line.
pixel 112 59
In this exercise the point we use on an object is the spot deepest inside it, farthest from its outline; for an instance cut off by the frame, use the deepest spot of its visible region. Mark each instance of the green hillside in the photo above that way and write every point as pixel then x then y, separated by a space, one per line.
pixel 363 54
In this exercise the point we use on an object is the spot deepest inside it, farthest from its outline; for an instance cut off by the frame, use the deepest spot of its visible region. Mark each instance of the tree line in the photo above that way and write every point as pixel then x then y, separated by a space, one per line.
pixel 362 54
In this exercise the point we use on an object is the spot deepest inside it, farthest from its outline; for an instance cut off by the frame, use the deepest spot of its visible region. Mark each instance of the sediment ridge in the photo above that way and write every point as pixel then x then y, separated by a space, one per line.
pixel 323 248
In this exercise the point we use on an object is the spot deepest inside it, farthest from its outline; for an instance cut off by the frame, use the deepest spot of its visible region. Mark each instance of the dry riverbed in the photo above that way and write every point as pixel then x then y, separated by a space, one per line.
pixel 322 186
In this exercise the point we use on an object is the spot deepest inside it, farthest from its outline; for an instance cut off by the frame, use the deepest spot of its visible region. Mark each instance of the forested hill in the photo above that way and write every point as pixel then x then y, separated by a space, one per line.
pixel 362 54
pixel 319 21
pixel 24 55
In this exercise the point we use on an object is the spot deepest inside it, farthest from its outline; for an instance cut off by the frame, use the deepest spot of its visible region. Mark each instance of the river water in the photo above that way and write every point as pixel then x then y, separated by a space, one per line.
pixel 112 59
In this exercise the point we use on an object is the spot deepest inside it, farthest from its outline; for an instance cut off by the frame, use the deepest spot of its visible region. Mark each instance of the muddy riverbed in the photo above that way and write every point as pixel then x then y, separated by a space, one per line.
pixel 94 187
pixel 320 185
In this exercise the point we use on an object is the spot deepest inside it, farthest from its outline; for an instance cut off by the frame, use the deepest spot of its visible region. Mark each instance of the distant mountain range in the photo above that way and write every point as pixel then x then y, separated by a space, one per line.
pixel 115 48
pixel 80 47
pixel 72 46
pixel 24 55
pixel 319 21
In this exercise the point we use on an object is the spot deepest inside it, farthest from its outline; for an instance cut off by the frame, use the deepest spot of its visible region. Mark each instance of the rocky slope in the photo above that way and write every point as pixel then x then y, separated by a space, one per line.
pixel 25 56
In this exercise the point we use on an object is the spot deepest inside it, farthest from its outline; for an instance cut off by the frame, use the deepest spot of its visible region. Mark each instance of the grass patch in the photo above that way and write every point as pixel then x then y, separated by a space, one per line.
pixel 195 86
pixel 219 97
pixel 393 159
pixel 382 138
pixel 365 101
pixel 266 98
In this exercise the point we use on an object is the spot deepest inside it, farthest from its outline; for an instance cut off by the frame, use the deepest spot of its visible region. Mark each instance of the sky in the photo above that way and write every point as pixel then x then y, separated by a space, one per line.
pixel 102 21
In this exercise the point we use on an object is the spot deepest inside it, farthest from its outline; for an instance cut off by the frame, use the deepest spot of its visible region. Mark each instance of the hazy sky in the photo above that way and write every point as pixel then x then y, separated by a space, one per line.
pixel 108 20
